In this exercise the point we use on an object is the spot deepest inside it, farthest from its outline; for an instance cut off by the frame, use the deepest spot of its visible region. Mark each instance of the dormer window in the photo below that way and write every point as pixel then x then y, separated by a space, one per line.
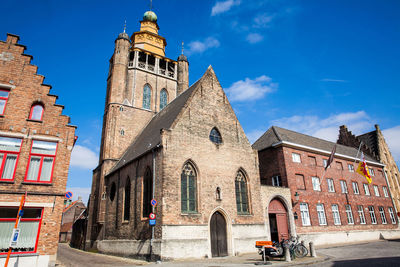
pixel 36 112
pixel 215 136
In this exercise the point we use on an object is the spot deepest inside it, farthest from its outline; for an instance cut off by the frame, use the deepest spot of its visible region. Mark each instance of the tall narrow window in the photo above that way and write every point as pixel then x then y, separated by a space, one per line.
pixel 163 98
pixel 321 214
pixel 372 214
pixel 385 191
pixel 305 215
pixel 360 210
pixel 351 167
pixel 146 96
pixel 391 213
pixel 331 186
pixel 188 189
pixel 382 214
pixel 215 136
pixel 147 193
pixel 36 112
pixel 9 153
pixel 316 183
pixel 376 190
pixel 127 199
pixel 276 180
pixel 343 186
pixel 242 203
pixel 41 161
pixel 29 226
pixel 3 100
pixel 366 189
pixel 336 214
pixel 349 215
pixel 355 188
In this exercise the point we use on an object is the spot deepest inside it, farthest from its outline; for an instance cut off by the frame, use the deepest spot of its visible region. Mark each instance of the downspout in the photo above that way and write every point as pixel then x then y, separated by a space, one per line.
pixel 153 195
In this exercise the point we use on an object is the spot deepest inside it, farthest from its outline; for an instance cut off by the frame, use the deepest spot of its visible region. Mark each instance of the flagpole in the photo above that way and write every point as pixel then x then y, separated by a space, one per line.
pixel 358 151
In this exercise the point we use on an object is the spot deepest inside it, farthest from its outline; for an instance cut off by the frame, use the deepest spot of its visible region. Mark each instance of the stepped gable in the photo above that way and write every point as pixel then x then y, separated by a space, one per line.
pixel 14 60
pixel 150 137
pixel 369 145
pixel 275 134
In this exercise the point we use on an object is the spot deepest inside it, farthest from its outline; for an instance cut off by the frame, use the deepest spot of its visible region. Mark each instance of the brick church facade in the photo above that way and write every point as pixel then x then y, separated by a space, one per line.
pixel 36 141
pixel 185 147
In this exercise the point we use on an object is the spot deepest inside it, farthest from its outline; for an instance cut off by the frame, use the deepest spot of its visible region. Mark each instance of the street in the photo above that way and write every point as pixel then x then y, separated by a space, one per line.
pixel 377 253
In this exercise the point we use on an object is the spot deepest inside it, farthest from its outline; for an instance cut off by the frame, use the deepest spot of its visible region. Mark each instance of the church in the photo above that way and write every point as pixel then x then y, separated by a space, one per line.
pixel 179 155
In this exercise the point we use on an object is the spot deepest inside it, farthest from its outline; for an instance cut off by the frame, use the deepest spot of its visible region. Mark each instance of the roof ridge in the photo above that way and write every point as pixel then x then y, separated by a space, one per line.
pixel 276 133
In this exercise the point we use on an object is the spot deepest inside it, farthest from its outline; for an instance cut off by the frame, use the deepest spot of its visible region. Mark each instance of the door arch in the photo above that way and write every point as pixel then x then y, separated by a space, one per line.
pixel 278 220
pixel 219 243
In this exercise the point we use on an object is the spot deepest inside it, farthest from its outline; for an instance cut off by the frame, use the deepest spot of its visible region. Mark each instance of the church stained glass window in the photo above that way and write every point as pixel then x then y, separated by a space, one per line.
pixel 188 189
pixel 146 96
pixel 127 199
pixel 215 136
pixel 163 98
pixel 241 193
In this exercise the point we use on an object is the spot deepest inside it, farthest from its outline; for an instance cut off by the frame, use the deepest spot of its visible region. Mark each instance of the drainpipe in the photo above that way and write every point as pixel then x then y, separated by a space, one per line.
pixel 153 195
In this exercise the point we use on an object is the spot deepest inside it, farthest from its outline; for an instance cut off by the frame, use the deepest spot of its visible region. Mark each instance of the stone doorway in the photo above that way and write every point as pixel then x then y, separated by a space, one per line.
pixel 219 244
pixel 278 220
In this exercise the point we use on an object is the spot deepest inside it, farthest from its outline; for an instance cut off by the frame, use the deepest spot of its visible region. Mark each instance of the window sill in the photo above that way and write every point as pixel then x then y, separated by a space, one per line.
pixel 245 214
pixel 34 120
pixel 196 214
pixel 37 183
pixel 7 181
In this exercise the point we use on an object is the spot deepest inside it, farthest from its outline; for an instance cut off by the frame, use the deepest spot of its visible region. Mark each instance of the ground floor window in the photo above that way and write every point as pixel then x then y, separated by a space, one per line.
pixel 336 215
pixel 360 210
pixel 392 218
pixel 305 215
pixel 29 229
pixel 372 214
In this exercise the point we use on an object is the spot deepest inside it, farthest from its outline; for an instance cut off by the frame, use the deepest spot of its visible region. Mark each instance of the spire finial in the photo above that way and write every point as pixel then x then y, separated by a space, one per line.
pixel 125 27
pixel 182 47
pixel 151 4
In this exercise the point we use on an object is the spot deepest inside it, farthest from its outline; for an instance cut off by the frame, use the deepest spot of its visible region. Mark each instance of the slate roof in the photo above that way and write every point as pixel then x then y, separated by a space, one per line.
pixel 150 137
pixel 276 134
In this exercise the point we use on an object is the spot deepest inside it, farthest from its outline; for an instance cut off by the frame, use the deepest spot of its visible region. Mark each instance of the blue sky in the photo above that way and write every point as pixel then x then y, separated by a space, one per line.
pixel 308 66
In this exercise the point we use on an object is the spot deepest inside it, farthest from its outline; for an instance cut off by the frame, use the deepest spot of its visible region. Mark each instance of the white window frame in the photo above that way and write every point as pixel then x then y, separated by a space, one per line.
pixel 305 215
pixel 325 161
pixel 355 188
pixel 296 157
pixel 376 191
pixel 321 214
pixel 372 214
pixel 343 185
pixel 382 214
pixel 276 180
pixel 391 214
pixel 385 191
pixel 336 215
pixel 349 214
pixel 366 190
pixel 371 172
pixel 331 185
pixel 316 183
pixel 360 210
pixel 350 167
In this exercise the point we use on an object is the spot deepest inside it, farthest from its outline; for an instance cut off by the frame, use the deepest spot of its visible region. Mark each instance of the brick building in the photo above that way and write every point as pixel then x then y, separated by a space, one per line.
pixel 35 147
pixel 374 144
pixel 336 205
pixel 185 149
pixel 73 212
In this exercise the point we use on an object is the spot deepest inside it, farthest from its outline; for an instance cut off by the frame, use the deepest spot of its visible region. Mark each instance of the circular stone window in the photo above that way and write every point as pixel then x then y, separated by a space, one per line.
pixel 112 191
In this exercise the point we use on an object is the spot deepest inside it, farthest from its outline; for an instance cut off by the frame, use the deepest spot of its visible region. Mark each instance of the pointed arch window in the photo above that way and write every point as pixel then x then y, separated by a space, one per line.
pixel 242 202
pixel 215 136
pixel 147 193
pixel 146 96
pixel 163 98
pixel 127 199
pixel 188 189
pixel 36 112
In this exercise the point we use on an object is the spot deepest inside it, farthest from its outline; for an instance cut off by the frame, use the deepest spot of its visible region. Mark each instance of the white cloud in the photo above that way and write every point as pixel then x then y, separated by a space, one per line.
pixel 262 20
pixel 251 89
pixel 201 46
pixel 327 128
pixel 333 80
pixel 83 192
pixel 392 138
pixel 254 38
pixel 223 6
pixel 254 135
pixel 84 158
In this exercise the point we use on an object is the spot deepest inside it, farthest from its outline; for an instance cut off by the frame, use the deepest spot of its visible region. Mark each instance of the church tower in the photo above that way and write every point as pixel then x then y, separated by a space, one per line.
pixel 141 82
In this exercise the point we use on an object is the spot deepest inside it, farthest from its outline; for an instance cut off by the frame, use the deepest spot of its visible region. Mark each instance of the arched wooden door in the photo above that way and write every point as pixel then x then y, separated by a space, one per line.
pixel 219 244
pixel 278 220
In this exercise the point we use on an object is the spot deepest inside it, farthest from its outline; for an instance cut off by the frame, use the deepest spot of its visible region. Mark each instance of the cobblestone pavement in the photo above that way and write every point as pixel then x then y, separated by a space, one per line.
pixel 70 257
pixel 377 253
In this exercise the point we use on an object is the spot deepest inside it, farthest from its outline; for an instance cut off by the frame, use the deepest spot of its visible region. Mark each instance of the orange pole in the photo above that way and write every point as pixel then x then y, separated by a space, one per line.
pixel 21 205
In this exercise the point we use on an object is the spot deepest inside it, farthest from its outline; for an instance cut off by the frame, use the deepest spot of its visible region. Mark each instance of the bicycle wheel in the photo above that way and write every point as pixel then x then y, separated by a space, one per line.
pixel 300 251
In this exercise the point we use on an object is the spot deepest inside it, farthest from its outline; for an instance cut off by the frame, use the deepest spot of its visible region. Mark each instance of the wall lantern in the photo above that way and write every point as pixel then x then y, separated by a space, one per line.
pixel 295 215
pixel 296 196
